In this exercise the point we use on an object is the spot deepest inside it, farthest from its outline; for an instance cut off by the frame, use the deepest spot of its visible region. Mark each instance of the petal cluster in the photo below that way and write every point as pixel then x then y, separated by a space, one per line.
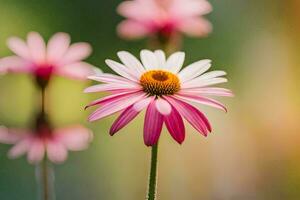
pixel 55 146
pixel 164 17
pixel 58 57
pixel 129 97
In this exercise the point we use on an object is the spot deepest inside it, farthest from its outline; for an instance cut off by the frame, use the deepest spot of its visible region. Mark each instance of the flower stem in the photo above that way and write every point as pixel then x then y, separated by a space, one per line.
pixel 153 174
pixel 45 180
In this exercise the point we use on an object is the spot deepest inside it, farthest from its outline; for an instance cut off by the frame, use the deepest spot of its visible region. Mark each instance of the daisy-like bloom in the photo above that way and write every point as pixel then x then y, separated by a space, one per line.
pixel 164 18
pixel 44 140
pixel 159 86
pixel 42 61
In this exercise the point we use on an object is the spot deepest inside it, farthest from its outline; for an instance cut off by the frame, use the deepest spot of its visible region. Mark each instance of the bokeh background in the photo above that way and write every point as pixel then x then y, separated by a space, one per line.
pixel 253 152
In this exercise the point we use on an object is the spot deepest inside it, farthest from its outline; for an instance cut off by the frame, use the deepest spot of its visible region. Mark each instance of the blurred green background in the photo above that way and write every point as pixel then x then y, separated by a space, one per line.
pixel 253 152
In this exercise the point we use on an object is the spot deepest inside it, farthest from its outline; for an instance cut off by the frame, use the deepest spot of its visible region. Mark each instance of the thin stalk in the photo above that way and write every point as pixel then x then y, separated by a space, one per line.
pixel 153 174
pixel 45 180
pixel 43 99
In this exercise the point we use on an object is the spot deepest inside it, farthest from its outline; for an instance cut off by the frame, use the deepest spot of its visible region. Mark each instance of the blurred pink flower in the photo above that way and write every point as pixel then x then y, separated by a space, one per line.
pixel 164 17
pixel 160 86
pixel 44 141
pixel 41 60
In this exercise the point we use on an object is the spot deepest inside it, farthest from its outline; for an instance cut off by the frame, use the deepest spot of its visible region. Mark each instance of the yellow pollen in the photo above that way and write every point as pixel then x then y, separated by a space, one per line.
pixel 159 82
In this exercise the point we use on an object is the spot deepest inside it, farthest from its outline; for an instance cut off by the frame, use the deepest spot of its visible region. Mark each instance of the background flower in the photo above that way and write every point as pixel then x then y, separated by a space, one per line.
pixel 57 57
pixel 44 141
pixel 164 18
pixel 162 88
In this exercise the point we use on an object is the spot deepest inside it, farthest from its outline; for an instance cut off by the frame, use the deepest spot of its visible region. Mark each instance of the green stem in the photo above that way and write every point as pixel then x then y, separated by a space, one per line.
pixel 45 181
pixel 153 174
pixel 44 171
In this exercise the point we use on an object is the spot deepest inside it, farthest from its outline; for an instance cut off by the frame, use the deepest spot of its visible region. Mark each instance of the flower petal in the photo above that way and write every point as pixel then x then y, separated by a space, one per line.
pixel 74 138
pixel 111 98
pixel 132 63
pixel 212 74
pixel 78 70
pixel 111 78
pixel 36 151
pixel 75 53
pixel 129 114
pixel 161 58
pixel 175 62
pixel 15 64
pixel 130 29
pixel 163 106
pixel 199 83
pixel 196 118
pixel 175 125
pixel 149 60
pixel 57 47
pixel 110 87
pixel 125 117
pixel 201 100
pixel 153 125
pixel 115 106
pixel 37 47
pixel 121 70
pixel 19 47
pixel 194 70
pixel 56 151
pixel 209 91
pixel 196 27
pixel 184 8
pixel 19 149
pixel 8 137
pixel 139 10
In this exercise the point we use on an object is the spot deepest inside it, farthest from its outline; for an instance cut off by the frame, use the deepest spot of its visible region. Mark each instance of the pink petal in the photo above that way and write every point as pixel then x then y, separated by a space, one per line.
pixel 57 47
pixel 74 138
pixel 115 106
pixel 36 151
pixel 153 125
pixel 125 117
pixel 163 106
pixel 128 115
pixel 19 47
pixel 139 10
pixel 15 64
pixel 140 105
pixel 56 151
pixel 111 98
pixel 200 83
pixel 110 87
pixel 79 70
pixel 130 29
pixel 76 53
pixel 209 91
pixel 188 8
pixel 196 118
pixel 20 148
pixel 8 138
pixel 201 100
pixel 175 125
pixel 111 78
pixel 37 47
pixel 196 27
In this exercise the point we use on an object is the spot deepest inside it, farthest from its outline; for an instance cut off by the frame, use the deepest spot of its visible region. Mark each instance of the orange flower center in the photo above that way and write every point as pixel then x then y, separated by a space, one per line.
pixel 159 82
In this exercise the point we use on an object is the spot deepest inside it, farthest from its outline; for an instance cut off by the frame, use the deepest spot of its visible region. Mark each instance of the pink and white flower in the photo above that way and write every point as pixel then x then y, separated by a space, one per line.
pixel 42 61
pixel 44 141
pixel 164 17
pixel 158 85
